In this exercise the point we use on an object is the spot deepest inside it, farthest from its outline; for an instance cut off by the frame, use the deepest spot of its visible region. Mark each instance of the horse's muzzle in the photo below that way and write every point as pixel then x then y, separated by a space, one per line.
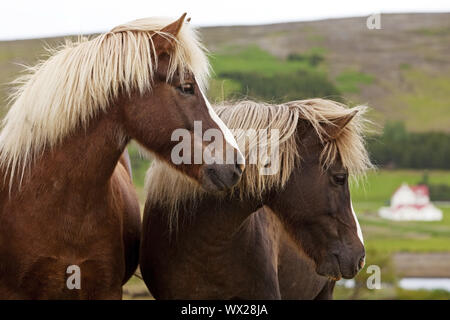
pixel 220 177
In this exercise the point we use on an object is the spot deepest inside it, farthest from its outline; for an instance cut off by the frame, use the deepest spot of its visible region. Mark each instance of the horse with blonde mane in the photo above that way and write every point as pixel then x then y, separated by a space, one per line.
pixel 286 235
pixel 69 216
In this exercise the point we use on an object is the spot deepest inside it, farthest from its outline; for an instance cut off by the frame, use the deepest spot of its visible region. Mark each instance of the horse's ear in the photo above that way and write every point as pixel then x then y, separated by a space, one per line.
pixel 165 44
pixel 335 128
pixel 175 27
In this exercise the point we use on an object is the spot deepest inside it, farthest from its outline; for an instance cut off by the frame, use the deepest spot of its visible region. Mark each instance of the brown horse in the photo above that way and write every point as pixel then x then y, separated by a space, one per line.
pixel 306 237
pixel 69 216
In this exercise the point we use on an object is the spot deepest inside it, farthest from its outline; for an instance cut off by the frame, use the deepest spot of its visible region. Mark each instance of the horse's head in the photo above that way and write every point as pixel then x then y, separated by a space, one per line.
pixel 160 117
pixel 315 204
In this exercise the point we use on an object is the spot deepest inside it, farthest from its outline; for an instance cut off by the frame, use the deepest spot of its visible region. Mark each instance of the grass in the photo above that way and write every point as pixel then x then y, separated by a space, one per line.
pixel 406 236
pixel 424 106
pixel 440 31
pixel 379 185
pixel 139 168
pixel 253 59
pixel 407 244
pixel 392 236
pixel 350 81
pixel 222 88
pixel 389 293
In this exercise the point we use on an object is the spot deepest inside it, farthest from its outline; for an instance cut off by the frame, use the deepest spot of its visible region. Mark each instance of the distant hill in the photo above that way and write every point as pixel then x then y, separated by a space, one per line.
pixel 402 70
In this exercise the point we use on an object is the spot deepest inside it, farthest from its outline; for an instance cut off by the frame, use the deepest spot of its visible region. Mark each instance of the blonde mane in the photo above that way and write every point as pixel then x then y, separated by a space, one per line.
pixel 167 187
pixel 81 79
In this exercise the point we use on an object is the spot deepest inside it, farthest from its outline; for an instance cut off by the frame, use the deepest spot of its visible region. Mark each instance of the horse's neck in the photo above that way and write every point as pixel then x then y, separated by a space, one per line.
pixel 218 220
pixel 229 242
pixel 265 228
pixel 84 160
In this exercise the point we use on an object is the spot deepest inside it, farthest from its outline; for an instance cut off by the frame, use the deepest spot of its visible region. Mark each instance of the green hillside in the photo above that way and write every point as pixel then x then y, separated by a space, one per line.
pixel 402 70
pixel 390 236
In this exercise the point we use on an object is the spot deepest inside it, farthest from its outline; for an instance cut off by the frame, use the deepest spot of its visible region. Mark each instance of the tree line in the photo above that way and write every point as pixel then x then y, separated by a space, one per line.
pixel 398 148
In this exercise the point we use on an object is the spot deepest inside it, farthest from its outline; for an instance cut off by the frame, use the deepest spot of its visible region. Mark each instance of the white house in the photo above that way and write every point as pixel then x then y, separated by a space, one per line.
pixel 411 203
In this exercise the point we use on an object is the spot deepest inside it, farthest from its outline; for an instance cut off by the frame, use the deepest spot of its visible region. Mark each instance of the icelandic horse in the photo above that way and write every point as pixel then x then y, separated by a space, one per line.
pixel 286 231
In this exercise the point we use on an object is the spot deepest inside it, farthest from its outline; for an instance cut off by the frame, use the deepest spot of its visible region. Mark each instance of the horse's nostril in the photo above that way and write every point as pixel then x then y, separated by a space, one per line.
pixel 239 168
pixel 362 262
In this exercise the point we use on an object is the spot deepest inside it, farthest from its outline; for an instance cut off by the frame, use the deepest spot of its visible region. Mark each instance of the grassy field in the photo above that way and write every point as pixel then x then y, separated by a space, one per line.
pixel 390 293
pixel 425 101
pixel 380 184
pixel 251 72
pixel 391 236
pixel 254 59
pixel 383 238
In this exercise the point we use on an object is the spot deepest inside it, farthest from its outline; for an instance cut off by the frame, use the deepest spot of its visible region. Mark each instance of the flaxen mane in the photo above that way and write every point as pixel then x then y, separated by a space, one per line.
pixel 81 79
pixel 167 187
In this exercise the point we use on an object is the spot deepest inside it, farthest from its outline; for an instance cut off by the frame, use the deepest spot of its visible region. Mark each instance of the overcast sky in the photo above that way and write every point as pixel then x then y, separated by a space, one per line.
pixel 40 18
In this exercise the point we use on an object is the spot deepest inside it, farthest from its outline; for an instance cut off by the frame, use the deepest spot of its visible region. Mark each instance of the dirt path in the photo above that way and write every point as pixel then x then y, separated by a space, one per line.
pixel 423 265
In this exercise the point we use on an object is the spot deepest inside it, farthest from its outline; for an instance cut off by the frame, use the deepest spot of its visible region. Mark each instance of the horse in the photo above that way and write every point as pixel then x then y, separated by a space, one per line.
pixel 69 215
pixel 289 234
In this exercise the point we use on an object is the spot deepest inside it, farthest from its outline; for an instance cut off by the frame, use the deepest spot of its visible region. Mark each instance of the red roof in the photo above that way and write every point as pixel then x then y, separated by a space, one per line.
pixel 421 190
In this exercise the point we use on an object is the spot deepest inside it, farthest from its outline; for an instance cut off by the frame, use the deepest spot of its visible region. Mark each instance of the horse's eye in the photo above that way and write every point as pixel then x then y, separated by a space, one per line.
pixel 187 88
pixel 340 178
